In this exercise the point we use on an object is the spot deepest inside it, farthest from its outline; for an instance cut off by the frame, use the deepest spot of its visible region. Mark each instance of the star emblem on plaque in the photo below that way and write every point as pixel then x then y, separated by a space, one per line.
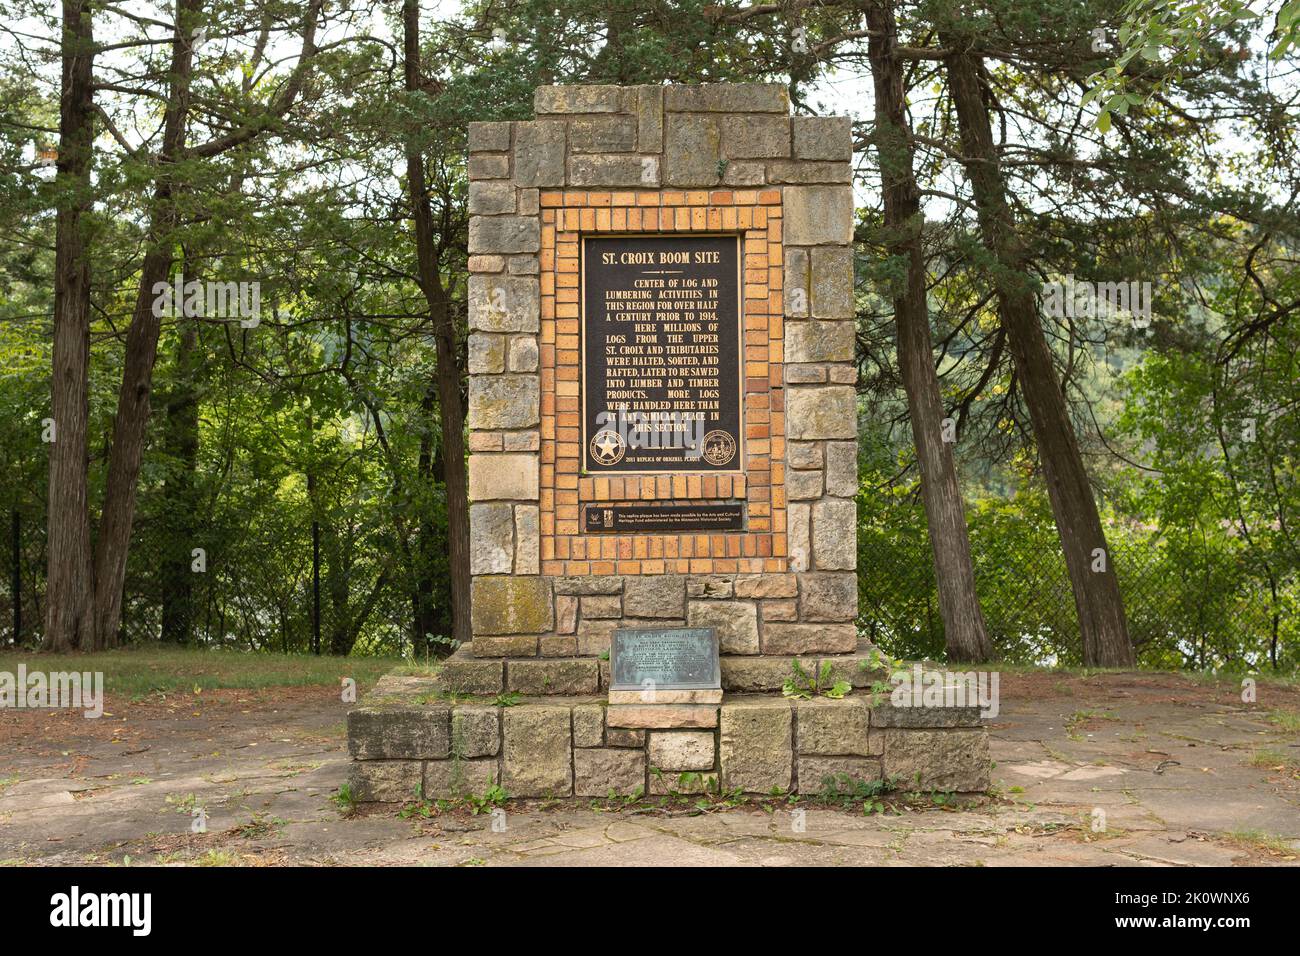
pixel 607 447
pixel 719 447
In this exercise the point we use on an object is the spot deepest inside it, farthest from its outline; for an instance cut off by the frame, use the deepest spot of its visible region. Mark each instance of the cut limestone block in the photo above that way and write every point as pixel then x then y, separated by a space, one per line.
pixel 602 770
pixel 948 759
pixel 833 727
pixel 755 745
pixel 386 781
pixel 464 675
pixel 536 751
pixel 662 715
pixel 459 778
pixel 377 732
pixel 588 725
pixel 624 737
pixel 682 750
pixel 475 731
pixel 554 676
pixel 511 605
pixel 887 714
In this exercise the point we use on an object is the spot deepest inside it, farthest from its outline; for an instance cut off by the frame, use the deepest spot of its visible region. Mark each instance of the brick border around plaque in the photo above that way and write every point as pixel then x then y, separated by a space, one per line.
pixel 673 160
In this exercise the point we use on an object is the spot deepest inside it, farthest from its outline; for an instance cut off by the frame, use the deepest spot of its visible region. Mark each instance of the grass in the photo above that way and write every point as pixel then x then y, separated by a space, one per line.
pixel 1269 759
pixel 344 799
pixel 1080 718
pixel 1287 720
pixel 144 670
pixel 216 858
pixel 1259 840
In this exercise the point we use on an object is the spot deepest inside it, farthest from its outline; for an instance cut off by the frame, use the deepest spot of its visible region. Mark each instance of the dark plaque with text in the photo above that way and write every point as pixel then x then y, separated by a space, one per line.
pixel 678 658
pixel 614 519
pixel 661 356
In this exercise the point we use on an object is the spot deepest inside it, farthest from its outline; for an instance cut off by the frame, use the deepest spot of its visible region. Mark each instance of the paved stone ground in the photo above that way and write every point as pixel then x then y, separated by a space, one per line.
pixel 1184 772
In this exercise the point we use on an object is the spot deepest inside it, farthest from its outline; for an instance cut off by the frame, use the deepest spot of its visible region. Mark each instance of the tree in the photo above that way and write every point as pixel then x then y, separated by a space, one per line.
pixel 70 595
pixel 429 271
pixel 1092 567
pixel 86 599
pixel 964 631
pixel 1162 40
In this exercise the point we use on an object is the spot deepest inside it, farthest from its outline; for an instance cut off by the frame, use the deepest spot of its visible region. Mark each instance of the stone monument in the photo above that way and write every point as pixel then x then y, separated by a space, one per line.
pixel 663 438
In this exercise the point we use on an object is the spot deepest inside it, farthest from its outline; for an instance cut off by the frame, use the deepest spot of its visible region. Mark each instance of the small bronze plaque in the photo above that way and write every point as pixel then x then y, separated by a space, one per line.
pixel 674 658
pixel 631 519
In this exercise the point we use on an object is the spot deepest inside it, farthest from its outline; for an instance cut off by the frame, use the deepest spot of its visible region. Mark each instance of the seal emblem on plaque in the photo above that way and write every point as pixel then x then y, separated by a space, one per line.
pixel 719 447
pixel 607 447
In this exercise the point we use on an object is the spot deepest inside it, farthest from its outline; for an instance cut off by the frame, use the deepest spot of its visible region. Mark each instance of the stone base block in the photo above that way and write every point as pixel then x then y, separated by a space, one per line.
pixel 665 696
pixel 834 775
pixel 607 771
pixel 661 716
pixel 560 676
pixel 834 727
pixel 947 759
pixel 396 730
pixel 537 751
pixel 679 750
pixel 459 778
pixel 406 741
pixel 756 745
pixel 465 675
pixel 386 781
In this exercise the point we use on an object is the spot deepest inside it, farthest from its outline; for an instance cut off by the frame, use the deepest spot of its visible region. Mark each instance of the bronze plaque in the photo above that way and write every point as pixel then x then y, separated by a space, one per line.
pixel 661 354
pixel 676 658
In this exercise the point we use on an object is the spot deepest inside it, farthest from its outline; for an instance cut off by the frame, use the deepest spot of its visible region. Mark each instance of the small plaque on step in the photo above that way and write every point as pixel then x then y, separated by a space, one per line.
pixel 667 659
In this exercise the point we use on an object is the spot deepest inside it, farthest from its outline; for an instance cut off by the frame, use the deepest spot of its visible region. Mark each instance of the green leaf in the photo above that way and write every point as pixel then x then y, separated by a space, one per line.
pixel 840 688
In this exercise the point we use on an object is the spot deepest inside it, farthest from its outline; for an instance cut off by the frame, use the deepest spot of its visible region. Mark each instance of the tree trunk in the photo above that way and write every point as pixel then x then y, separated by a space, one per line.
pixel 142 347
pixel 425 617
pixel 450 408
pixel 70 608
pixel 338 577
pixel 16 579
pixel 181 440
pixel 965 635
pixel 1102 623
pixel 315 561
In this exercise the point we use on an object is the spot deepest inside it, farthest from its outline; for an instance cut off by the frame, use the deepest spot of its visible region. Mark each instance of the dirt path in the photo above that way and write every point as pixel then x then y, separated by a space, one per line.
pixel 1174 772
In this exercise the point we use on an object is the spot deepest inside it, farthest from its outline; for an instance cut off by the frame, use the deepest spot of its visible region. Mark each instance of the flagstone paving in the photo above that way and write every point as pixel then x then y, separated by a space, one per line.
pixel 1108 770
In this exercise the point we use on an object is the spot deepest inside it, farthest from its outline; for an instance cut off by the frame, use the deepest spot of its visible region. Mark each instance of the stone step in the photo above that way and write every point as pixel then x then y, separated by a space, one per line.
pixel 408 741
pixel 462 673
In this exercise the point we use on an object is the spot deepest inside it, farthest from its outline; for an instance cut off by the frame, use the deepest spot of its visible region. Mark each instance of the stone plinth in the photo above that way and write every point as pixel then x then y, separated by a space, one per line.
pixel 409 741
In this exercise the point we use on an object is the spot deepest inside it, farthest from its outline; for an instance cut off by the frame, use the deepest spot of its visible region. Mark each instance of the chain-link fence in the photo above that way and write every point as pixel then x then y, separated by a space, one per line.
pixel 308 590
pixel 324 596
pixel 1181 613
pixel 1185 608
